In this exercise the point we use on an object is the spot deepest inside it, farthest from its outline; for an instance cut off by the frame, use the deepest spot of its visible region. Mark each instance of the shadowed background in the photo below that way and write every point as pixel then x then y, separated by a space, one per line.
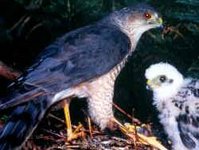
pixel 28 26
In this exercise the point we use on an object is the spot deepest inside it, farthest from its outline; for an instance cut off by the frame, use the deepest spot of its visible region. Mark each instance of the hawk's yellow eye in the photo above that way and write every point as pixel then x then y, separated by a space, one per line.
pixel 147 15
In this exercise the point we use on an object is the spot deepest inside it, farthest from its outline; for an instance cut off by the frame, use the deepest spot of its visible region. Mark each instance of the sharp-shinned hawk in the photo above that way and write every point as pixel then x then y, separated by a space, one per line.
pixel 82 63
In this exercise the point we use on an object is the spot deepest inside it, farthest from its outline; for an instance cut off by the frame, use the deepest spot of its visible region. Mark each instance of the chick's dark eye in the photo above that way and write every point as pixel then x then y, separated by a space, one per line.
pixel 147 15
pixel 163 78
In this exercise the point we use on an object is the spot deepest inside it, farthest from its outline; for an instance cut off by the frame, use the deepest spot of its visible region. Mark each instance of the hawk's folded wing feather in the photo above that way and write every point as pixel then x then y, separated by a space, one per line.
pixel 76 57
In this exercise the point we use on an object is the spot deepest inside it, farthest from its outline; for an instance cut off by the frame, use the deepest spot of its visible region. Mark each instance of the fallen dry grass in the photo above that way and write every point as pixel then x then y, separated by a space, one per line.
pixel 88 136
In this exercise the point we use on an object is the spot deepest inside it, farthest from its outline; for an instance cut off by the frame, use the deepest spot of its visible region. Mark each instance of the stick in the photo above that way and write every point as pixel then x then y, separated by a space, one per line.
pixel 8 72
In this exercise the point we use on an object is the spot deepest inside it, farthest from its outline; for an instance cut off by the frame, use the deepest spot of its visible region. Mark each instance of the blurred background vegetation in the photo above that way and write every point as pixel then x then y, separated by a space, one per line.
pixel 27 26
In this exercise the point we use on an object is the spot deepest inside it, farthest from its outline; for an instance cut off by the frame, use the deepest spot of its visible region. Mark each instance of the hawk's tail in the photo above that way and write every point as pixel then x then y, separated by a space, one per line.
pixel 23 120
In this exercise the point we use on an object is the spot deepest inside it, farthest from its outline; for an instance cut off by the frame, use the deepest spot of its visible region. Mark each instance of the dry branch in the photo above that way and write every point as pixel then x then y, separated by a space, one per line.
pixel 8 72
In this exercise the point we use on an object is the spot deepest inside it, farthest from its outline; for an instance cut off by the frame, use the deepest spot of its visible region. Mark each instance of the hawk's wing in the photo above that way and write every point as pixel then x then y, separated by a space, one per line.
pixel 78 56
pixel 188 120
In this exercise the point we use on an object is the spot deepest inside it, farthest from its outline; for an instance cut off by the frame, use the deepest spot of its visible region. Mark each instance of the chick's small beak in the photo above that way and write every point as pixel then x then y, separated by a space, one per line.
pixel 152 84
pixel 148 82
pixel 148 86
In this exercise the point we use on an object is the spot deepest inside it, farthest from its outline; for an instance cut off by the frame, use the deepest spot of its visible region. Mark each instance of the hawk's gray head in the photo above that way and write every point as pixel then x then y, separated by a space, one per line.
pixel 164 79
pixel 137 19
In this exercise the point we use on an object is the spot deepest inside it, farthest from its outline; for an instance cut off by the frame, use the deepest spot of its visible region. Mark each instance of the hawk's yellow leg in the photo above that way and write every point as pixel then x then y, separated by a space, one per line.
pixel 66 104
pixel 70 134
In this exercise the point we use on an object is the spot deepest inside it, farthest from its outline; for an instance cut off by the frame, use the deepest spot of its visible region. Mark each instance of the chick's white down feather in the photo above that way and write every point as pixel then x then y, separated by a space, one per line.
pixel 165 90
pixel 177 100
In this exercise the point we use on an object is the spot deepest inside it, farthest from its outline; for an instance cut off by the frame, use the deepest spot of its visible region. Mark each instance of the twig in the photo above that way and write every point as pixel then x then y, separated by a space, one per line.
pixel 8 72
pixel 129 116
pixel 90 127
pixel 52 133
pixel 141 138
pixel 57 118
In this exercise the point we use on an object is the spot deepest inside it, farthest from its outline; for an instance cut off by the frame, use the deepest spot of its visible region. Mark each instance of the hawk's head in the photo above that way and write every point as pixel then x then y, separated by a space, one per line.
pixel 135 20
pixel 164 79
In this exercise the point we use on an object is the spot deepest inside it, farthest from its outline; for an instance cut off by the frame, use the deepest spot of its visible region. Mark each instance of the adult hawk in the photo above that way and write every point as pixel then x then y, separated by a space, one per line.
pixel 82 63
pixel 177 100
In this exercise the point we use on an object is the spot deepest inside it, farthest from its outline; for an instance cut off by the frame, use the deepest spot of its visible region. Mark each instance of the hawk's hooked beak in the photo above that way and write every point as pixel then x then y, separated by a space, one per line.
pixel 156 20
pixel 160 22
